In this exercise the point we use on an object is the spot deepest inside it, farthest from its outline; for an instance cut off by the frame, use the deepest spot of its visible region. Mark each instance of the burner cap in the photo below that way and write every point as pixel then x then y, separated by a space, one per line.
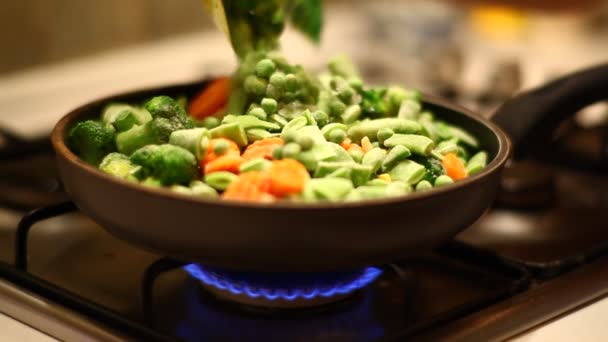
pixel 282 290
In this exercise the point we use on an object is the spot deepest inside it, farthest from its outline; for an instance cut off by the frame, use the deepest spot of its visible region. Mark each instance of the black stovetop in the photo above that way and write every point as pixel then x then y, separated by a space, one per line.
pixel 541 251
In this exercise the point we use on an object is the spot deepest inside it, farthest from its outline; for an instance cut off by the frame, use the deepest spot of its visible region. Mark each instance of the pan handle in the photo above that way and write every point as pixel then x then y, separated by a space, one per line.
pixel 531 117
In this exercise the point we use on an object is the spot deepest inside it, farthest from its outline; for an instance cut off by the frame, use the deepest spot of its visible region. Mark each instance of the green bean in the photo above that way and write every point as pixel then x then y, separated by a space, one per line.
pixel 258 112
pixel 443 180
pixel 409 109
pixel 357 155
pixel 291 150
pixel 194 140
pixel 367 192
pixel 211 122
pixel 341 154
pixel 477 162
pixel 377 181
pixel 447 146
pixel 408 171
pixel 342 172
pixel 417 144
pixel 370 128
pixel 464 137
pixel 327 129
pixel 397 188
pixel 443 130
pixel 323 151
pixel 265 68
pixel 351 114
pixel 310 120
pixel 250 121
pixel 374 158
pixel 232 131
pixel 294 125
pixel 258 164
pixel 199 188
pixel 254 134
pixel 397 95
pixel 313 132
pixel 220 180
pixel 395 155
pixel 426 121
pixel 360 174
pixel 424 185
pixel 383 134
pixel 279 120
pixel 326 189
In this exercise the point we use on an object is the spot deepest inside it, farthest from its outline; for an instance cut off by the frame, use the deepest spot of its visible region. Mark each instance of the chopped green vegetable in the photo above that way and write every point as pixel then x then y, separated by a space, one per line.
pixel 91 141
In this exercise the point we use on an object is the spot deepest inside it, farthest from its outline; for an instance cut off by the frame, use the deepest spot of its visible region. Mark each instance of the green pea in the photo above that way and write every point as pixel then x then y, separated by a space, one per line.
pixel 265 68
pixel 291 82
pixel 269 105
pixel 211 122
pixel 278 80
pixel 277 153
pixel 291 150
pixel 424 185
pixel 320 117
pixel 337 107
pixel 273 92
pixel 383 134
pixel 258 112
pixel 220 147
pixel 306 142
pixel 346 94
pixel 443 180
pixel 337 136
pixel 356 83
pixel 255 85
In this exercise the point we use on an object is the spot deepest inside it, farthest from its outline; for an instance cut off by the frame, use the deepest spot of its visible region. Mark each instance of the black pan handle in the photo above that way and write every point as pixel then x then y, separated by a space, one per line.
pixel 531 117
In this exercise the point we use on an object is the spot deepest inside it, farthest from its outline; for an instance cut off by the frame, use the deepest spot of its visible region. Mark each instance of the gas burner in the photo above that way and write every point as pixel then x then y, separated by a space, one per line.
pixel 282 290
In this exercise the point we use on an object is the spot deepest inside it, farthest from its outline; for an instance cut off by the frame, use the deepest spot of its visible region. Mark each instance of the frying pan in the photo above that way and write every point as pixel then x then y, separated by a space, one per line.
pixel 293 237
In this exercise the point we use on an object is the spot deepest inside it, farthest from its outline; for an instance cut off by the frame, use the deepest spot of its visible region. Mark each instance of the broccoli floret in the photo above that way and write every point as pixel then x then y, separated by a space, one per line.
pixel 168 108
pixel 156 131
pixel 91 140
pixel 373 103
pixel 168 163
pixel 119 165
pixel 433 167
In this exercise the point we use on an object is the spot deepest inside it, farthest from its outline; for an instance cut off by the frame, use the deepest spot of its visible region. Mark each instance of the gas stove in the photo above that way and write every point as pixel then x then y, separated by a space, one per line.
pixel 541 251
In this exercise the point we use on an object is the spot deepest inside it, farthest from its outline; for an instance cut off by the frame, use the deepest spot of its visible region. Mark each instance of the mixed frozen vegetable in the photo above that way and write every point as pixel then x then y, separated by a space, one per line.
pixel 276 132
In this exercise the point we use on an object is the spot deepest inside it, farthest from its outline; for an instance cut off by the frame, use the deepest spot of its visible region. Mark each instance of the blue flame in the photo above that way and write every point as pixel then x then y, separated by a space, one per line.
pixel 284 286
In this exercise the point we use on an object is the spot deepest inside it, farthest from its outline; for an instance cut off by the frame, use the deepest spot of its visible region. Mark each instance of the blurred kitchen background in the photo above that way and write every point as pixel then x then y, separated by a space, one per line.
pixel 58 54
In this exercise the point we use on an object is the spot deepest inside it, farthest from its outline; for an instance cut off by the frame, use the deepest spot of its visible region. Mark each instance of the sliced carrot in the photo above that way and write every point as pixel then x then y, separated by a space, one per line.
pixel 346 143
pixel 287 176
pixel 233 148
pixel 251 186
pixel 366 145
pixel 227 162
pixel 262 148
pixel 211 99
pixel 454 167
